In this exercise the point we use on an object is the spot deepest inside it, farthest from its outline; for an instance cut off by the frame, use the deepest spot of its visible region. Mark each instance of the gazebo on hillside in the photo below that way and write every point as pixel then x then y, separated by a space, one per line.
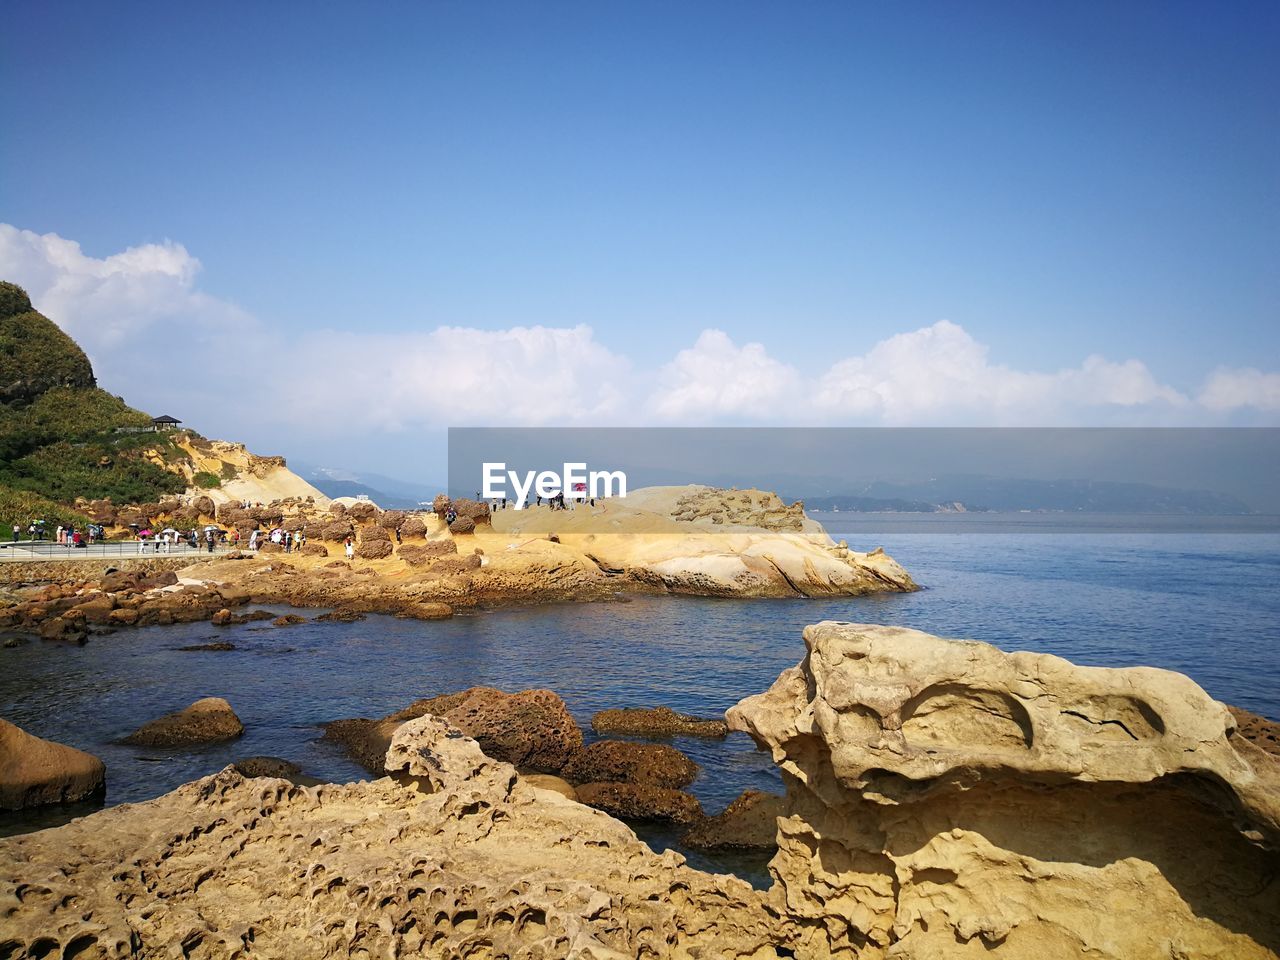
pixel 164 423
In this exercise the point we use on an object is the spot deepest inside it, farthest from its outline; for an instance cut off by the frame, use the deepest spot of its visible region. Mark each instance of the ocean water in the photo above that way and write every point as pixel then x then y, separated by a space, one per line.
pixel 1205 604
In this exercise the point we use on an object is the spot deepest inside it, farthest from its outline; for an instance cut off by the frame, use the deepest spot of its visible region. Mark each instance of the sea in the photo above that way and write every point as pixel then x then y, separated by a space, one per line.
pixel 1193 597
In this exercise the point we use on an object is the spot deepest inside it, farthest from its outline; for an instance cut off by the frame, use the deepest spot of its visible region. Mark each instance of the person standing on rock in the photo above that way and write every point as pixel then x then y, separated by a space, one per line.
pixel 351 549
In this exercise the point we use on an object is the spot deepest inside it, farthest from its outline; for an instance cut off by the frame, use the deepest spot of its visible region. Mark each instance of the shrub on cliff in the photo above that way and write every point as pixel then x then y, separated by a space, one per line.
pixel 207 480
pixel 23 506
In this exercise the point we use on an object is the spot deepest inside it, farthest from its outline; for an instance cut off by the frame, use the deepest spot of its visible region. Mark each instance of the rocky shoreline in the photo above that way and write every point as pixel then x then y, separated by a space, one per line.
pixel 943 799
pixel 695 541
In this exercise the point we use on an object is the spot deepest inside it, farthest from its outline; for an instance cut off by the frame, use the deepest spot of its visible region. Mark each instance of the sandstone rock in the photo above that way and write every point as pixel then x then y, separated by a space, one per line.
pixel 222 618
pixel 338 509
pixel 206 721
pixel 1258 730
pixel 462 525
pixel 268 546
pixel 165 578
pixel 532 729
pixel 657 722
pixel 413 526
pixel 637 801
pixel 336 532
pixel 314 550
pixel 203 505
pixel 440 505
pixel 288 620
pixel 620 761
pixel 749 823
pixel 34 772
pixel 341 616
pixel 362 512
pixel 220 646
pixel 371 534
pixel 266 767
pixel 391 519
pixel 547 781
pixel 374 550
pixel 65 629
pixel 425 611
pixel 418 554
pixel 123 616
pixel 463 859
pixel 944 797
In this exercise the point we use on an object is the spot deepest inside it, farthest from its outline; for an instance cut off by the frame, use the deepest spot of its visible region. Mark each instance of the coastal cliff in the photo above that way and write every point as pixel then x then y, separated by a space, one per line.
pixel 944 799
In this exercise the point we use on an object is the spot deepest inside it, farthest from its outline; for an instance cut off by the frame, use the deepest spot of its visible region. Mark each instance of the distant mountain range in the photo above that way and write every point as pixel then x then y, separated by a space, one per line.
pixel 979 493
pixel 387 492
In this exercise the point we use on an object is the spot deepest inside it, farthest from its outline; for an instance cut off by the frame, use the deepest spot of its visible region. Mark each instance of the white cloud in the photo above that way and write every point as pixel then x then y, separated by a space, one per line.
pixel 106 303
pixel 940 374
pixel 169 346
pixel 716 378
pixel 1230 388
pixel 453 375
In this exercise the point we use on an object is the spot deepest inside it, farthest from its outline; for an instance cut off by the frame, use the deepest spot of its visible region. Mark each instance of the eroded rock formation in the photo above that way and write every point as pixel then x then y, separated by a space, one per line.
pixel 946 799
pixel 461 858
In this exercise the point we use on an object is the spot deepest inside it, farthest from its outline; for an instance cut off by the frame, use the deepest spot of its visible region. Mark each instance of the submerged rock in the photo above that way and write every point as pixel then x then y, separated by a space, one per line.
pixel 749 823
pixel 34 772
pixel 657 722
pixel 266 767
pixel 206 721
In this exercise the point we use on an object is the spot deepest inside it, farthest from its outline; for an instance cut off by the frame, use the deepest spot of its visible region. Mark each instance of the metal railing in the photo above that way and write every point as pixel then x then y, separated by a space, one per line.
pixel 27 550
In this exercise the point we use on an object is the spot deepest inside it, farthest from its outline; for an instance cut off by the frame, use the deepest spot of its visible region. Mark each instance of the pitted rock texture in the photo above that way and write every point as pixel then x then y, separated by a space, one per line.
pixel 34 772
pixel 460 859
pixel 531 729
pixel 620 761
pixel 946 799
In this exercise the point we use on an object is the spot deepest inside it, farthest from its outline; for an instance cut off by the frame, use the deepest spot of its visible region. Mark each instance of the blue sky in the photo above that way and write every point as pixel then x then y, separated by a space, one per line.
pixel 329 186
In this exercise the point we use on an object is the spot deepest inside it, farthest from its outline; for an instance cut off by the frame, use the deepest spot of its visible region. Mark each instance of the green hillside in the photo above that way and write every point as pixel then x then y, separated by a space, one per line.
pixel 61 437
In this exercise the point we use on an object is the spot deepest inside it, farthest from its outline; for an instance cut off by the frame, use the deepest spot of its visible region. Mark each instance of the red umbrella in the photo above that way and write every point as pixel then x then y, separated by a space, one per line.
pixel 144 533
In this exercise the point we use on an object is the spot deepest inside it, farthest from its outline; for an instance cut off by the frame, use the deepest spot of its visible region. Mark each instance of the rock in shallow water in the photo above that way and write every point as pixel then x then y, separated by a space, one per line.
pixel 206 721
pixel 639 801
pixel 34 772
pixel 619 761
pixel 657 722
pixel 749 823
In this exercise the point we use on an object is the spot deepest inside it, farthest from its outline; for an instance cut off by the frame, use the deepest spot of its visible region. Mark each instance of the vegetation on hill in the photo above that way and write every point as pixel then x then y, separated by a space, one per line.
pixel 61 437
pixel 35 355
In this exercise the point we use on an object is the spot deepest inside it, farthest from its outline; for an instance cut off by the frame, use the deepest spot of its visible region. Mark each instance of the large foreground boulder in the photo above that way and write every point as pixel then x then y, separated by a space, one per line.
pixel 947 799
pixel 34 772
pixel 210 720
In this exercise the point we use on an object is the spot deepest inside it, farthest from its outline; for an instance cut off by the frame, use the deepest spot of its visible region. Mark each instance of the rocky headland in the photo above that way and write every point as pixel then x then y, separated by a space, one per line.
pixel 943 799
pixel 697 541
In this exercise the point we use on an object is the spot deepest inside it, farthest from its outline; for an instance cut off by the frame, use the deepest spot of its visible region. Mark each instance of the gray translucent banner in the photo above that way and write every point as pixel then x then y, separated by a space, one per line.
pixel 1003 480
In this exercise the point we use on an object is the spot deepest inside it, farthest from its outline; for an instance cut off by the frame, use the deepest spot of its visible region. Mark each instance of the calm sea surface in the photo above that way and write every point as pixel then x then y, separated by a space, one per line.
pixel 1205 604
